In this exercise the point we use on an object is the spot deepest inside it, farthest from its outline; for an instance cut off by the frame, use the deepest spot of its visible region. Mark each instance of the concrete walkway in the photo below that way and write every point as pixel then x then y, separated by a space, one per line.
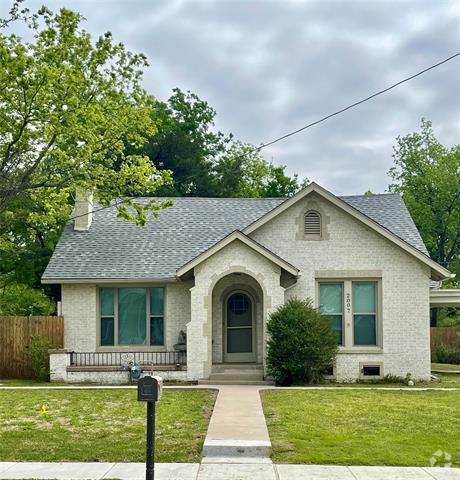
pixel 237 428
pixel 218 471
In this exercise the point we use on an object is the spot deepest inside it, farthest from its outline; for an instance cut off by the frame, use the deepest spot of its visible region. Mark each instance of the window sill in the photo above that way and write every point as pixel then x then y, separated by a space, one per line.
pixel 132 349
pixel 378 350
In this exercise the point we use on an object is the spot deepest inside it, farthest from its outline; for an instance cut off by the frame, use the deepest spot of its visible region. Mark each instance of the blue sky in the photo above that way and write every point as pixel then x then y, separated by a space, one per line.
pixel 269 66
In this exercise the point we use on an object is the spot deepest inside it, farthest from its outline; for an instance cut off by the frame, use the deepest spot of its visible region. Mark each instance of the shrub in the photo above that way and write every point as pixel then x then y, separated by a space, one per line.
pixel 39 358
pixel 19 299
pixel 301 345
pixel 446 354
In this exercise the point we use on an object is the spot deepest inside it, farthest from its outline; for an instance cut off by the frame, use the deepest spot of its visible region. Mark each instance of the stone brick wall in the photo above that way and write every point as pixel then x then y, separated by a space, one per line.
pixel 235 257
pixel 79 307
pixel 353 249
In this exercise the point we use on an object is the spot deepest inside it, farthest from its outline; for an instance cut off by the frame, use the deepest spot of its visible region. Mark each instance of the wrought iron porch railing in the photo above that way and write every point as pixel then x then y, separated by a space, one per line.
pixel 116 359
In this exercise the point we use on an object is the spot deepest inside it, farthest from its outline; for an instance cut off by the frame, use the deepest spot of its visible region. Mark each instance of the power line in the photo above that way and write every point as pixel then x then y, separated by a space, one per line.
pixel 338 112
pixel 316 122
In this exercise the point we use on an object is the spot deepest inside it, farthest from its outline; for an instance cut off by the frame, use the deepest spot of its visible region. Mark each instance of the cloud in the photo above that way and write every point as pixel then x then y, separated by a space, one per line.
pixel 269 66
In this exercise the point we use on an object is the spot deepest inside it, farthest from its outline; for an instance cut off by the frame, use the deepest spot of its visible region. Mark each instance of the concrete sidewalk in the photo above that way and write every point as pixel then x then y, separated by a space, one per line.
pixel 237 429
pixel 218 471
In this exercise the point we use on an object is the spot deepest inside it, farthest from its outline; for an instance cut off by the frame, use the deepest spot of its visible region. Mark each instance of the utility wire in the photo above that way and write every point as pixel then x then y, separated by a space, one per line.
pixel 338 112
pixel 327 117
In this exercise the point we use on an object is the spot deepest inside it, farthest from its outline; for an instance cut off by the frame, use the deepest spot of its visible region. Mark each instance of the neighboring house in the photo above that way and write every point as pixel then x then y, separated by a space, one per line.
pixel 216 268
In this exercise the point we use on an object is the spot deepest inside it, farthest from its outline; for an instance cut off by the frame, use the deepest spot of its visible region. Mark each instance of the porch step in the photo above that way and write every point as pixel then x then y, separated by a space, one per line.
pixel 236 374
pixel 226 367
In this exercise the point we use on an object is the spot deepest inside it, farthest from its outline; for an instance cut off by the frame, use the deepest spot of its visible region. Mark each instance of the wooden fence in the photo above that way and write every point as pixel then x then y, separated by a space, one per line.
pixel 449 336
pixel 15 335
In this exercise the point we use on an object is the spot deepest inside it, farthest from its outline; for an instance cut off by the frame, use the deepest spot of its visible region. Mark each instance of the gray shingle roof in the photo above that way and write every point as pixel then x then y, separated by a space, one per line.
pixel 116 249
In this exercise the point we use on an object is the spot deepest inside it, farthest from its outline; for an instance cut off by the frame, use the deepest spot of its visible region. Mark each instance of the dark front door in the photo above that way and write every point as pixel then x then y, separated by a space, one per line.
pixel 239 329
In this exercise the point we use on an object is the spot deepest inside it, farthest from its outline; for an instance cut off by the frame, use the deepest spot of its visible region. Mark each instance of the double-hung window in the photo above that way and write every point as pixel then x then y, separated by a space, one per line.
pixel 331 305
pixel 352 307
pixel 131 316
pixel 364 303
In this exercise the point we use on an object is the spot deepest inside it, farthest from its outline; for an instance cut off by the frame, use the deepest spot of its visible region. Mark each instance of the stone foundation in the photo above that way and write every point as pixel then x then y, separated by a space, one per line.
pixel 62 371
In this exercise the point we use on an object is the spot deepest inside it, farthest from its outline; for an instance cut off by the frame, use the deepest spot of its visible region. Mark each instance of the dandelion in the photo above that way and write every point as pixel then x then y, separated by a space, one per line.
pixel 43 410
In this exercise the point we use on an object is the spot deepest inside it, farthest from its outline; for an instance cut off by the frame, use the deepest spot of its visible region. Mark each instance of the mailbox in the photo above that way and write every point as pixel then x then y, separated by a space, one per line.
pixel 149 389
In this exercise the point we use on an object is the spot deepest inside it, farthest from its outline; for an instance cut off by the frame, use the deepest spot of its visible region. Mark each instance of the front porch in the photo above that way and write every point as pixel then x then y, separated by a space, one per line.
pixel 236 286
pixel 114 367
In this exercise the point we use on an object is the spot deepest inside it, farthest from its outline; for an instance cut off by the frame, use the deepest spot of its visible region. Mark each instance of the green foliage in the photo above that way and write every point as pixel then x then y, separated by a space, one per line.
pixel 449 317
pixel 427 175
pixel 20 299
pixel 69 107
pixel 206 162
pixel 388 379
pixel 242 172
pixel 446 354
pixel 39 358
pixel 301 345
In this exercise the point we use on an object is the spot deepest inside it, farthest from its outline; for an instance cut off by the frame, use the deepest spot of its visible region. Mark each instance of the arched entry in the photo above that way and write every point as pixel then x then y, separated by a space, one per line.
pixel 239 328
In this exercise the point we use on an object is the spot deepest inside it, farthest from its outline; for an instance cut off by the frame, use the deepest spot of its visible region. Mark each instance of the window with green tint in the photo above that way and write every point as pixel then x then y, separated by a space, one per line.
pixel 156 331
pixel 107 331
pixel 156 301
pixel 156 316
pixel 131 316
pixel 331 305
pixel 364 300
pixel 106 296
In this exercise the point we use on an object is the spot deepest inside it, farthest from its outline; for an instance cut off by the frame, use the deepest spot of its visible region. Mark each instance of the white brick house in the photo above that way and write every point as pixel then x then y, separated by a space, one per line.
pixel 216 268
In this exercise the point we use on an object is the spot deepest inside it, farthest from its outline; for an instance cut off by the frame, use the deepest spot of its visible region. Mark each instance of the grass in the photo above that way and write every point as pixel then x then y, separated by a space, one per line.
pixel 104 425
pixel 445 380
pixel 362 427
pixel 445 366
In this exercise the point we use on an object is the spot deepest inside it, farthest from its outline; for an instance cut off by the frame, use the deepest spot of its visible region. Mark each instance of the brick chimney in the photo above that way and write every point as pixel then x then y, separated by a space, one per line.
pixel 83 211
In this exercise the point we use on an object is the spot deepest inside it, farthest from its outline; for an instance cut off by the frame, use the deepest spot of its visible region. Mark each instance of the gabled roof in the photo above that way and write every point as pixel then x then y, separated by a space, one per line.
pixel 114 249
pixel 437 271
pixel 238 236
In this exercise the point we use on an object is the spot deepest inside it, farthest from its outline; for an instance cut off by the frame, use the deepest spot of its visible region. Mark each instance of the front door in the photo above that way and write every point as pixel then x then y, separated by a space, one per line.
pixel 239 328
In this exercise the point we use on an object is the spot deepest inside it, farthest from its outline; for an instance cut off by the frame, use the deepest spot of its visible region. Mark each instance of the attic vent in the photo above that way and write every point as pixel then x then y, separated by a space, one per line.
pixel 312 225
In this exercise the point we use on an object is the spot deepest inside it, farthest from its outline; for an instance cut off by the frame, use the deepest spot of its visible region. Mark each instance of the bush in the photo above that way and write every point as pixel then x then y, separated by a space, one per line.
pixel 446 354
pixel 39 358
pixel 19 299
pixel 302 344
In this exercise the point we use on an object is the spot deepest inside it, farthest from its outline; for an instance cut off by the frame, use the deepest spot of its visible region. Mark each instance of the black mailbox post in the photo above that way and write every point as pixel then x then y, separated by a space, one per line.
pixel 149 390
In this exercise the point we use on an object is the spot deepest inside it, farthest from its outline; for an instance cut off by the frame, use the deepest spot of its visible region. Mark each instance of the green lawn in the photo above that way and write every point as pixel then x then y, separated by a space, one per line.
pixel 103 425
pixel 362 427
pixel 445 366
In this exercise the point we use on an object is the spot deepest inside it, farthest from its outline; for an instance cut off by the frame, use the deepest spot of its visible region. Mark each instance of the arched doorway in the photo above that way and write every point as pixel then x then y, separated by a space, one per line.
pixel 239 328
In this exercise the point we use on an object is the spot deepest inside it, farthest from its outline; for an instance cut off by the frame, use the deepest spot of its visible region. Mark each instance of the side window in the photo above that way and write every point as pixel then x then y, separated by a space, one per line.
pixel 364 313
pixel 107 316
pixel 157 316
pixel 331 305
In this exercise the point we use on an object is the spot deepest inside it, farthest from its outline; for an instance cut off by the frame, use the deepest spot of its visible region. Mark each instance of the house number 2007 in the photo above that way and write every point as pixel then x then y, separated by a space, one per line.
pixel 348 302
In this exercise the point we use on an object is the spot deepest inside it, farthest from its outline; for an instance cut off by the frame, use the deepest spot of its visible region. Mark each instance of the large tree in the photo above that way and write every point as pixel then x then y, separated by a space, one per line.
pixel 206 162
pixel 428 175
pixel 68 109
